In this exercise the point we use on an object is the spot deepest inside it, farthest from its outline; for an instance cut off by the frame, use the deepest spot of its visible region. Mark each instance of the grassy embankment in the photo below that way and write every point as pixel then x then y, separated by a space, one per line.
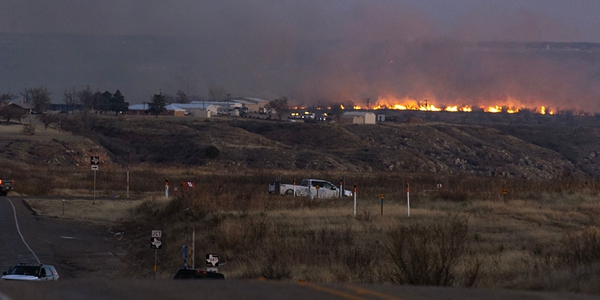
pixel 544 237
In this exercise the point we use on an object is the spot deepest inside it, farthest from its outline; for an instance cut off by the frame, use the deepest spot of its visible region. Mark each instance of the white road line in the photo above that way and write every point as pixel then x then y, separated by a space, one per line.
pixel 19 231
pixel 4 297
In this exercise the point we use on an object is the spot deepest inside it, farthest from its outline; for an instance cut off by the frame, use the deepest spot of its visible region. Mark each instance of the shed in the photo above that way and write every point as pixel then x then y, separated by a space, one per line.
pixel 358 117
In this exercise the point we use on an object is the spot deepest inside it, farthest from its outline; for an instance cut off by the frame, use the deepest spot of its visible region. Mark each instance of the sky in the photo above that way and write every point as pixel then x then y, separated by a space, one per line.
pixel 311 51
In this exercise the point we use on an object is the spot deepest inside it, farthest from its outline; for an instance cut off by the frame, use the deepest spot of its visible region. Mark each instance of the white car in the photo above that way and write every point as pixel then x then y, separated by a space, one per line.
pixel 31 272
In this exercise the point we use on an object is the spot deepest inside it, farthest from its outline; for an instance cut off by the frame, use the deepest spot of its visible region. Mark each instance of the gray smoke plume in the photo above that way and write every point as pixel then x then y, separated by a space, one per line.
pixel 310 51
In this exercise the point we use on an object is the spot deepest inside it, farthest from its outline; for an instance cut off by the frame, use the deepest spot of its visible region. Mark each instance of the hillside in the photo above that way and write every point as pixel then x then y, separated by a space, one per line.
pixel 535 152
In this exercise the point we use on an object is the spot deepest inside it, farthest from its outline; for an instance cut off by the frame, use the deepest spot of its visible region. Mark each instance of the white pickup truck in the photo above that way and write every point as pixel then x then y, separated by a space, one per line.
pixel 313 188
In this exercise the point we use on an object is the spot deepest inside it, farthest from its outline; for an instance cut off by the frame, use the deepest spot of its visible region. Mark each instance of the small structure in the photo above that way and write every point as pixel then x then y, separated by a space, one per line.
pixel 22 104
pixel 141 109
pixel 358 117
pixel 200 110
pixel 252 105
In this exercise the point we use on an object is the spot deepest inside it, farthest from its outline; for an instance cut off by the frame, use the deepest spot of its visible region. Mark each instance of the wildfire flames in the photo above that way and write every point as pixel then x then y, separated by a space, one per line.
pixel 425 105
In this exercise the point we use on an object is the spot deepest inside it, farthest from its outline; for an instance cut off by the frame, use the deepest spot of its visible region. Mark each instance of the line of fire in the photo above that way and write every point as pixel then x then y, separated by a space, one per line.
pixel 425 105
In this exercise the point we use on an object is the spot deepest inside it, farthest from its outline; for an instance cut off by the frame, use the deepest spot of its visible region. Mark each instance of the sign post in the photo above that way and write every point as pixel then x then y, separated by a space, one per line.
pixel 185 256
pixel 156 243
pixel 127 181
pixel 381 196
pixel 504 194
pixel 354 192
pixel 94 161
pixel 408 198
pixel 167 188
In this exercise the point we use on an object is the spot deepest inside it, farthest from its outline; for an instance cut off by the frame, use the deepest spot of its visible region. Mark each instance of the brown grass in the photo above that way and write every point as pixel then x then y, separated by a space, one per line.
pixel 522 243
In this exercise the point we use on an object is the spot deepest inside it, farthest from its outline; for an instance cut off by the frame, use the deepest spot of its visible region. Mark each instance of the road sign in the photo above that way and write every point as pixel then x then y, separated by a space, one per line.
pixel 155 243
pixel 94 167
pixel 95 160
pixel 212 260
pixel 156 233
pixel 185 256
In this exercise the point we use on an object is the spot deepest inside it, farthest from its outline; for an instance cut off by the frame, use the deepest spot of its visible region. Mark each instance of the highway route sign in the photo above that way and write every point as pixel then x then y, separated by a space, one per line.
pixel 94 161
pixel 156 233
pixel 155 243
pixel 212 260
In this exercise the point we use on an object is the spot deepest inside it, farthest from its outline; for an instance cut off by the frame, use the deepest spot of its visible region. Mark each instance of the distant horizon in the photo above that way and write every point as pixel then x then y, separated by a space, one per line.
pixel 309 72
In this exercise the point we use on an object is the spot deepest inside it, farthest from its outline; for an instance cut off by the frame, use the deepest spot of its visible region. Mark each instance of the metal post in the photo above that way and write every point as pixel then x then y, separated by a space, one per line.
pixel 127 181
pixel 341 189
pixel 155 259
pixel 63 207
pixel 354 199
pixel 294 187
pixel 193 248
pixel 408 198
pixel 381 202
pixel 94 197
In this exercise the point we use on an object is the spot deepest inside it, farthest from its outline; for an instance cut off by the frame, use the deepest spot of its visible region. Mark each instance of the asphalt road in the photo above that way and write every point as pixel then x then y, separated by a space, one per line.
pixel 84 258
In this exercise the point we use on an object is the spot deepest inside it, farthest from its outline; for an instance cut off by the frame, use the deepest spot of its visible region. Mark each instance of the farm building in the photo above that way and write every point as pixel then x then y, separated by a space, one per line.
pixel 252 105
pixel 138 109
pixel 358 117
pixel 201 110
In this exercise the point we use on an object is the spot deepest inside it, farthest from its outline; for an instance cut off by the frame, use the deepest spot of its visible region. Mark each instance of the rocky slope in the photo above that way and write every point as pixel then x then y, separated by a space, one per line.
pixel 535 152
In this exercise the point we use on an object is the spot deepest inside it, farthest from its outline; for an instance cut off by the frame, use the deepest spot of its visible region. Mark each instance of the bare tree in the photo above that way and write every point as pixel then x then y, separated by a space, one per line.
pixel 70 98
pixel 40 97
pixel 10 112
pixel 5 98
pixel 280 105
pixel 85 97
pixel 182 97
pixel 48 118
pixel 217 93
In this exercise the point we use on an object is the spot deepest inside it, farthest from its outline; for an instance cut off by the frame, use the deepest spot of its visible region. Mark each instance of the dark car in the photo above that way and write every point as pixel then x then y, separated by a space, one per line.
pixel 197 274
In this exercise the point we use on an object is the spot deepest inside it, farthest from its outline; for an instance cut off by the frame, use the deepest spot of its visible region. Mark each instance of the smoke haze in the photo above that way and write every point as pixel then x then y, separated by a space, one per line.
pixel 310 51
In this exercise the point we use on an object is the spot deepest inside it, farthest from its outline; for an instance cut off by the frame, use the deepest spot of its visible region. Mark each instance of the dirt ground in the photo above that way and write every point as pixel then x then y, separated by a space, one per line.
pixel 81 243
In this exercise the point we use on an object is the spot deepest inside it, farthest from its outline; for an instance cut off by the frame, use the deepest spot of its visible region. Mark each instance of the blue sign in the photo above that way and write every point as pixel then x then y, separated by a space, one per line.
pixel 185 256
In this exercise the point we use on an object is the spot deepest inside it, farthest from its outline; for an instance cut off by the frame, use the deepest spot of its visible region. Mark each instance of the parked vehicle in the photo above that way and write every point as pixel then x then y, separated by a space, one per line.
pixel 6 185
pixel 313 188
pixel 197 274
pixel 31 272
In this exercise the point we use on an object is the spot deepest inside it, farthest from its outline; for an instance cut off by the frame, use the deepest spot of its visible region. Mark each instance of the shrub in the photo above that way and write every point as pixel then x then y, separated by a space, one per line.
pixel 429 254
pixel 212 152
pixel 582 248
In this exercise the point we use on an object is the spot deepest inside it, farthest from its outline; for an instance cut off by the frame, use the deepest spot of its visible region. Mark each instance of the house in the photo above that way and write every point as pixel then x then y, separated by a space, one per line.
pixel 358 117
pixel 23 104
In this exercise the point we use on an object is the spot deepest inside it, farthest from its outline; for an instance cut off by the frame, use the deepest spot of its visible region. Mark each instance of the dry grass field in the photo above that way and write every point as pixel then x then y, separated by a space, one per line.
pixel 547 243
pixel 544 237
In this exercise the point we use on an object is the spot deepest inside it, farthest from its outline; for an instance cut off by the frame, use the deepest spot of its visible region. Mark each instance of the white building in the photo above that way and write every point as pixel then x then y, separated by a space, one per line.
pixel 358 117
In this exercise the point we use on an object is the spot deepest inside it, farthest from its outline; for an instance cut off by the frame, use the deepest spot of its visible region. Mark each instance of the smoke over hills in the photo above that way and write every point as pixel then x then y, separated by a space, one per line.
pixel 311 51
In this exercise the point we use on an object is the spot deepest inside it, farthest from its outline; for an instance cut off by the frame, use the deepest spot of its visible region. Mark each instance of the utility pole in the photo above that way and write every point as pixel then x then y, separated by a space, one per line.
pixel 368 103
pixel 228 105
pixel 426 110
pixel 144 116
